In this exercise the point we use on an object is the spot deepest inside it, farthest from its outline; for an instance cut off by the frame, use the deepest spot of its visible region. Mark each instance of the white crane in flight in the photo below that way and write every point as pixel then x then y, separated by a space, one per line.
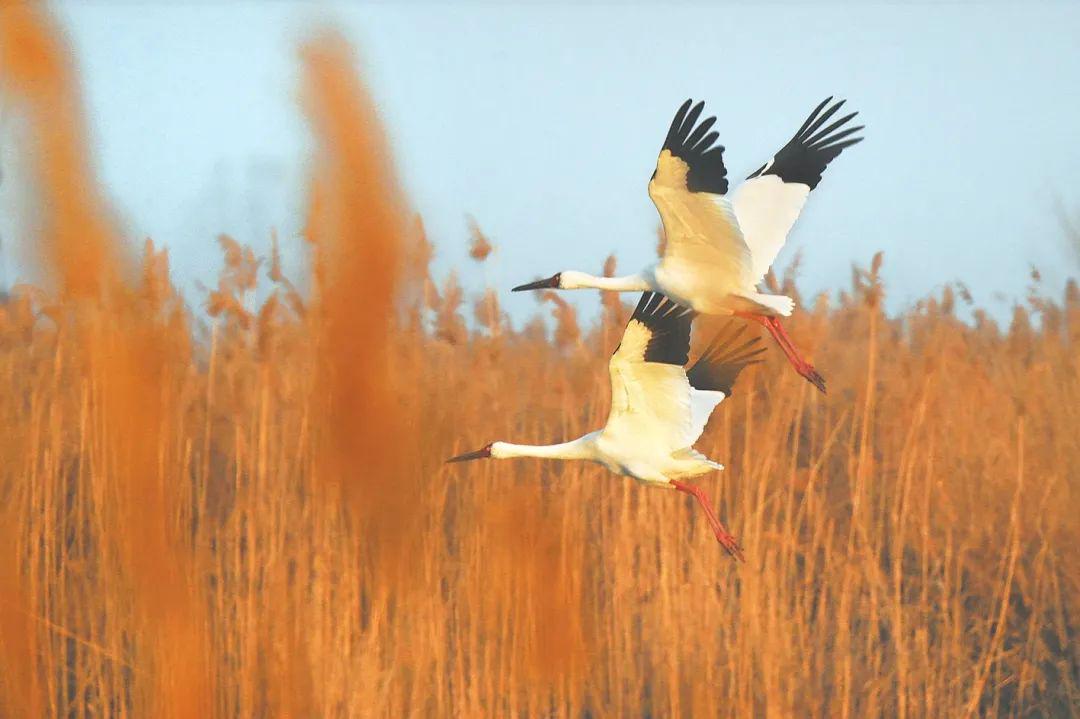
pixel 719 248
pixel 658 408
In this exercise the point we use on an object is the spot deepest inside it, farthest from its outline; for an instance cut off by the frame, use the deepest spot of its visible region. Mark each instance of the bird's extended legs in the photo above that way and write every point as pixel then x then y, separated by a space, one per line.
pixel 779 334
pixel 722 534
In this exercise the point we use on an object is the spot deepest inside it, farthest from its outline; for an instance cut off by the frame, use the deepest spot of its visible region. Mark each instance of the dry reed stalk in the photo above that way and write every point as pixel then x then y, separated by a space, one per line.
pixel 113 349
pixel 479 244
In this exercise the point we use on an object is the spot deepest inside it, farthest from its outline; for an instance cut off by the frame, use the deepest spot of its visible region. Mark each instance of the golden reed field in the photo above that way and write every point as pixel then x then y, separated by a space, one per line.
pixel 249 515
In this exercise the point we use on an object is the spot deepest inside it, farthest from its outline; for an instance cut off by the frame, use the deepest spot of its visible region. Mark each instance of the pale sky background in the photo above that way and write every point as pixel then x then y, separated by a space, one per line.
pixel 543 121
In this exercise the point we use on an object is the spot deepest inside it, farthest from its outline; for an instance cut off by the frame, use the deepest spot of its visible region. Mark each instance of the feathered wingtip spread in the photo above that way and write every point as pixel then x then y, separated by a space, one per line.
pixel 809 152
pixel 694 146
pixel 668 324
pixel 654 309
pixel 732 350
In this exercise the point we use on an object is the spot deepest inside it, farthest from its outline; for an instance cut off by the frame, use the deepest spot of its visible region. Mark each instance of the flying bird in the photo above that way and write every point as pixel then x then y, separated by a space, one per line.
pixel 658 408
pixel 719 247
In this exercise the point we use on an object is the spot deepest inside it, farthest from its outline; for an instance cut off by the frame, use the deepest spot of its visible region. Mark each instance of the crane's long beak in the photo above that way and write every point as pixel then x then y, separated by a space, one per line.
pixel 482 453
pixel 549 283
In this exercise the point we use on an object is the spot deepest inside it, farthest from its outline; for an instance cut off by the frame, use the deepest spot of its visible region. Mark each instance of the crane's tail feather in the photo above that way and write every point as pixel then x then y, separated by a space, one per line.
pixel 781 305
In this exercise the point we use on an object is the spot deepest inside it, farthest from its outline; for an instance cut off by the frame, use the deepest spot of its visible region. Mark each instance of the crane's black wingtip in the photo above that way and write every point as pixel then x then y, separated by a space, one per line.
pixel 687 140
pixel 668 323
pixel 806 155
pixel 725 357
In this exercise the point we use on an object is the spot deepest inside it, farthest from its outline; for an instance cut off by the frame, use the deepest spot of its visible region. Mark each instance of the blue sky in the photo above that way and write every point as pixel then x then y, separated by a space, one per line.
pixel 543 121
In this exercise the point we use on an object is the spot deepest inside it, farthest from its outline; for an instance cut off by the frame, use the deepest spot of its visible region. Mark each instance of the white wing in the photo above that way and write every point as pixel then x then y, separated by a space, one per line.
pixel 767 207
pixel 702 404
pixel 650 395
pixel 688 189
pixel 713 375
pixel 770 200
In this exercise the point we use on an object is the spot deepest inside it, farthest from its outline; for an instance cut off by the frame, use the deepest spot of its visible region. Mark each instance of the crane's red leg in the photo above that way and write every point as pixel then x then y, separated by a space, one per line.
pixel 779 334
pixel 718 528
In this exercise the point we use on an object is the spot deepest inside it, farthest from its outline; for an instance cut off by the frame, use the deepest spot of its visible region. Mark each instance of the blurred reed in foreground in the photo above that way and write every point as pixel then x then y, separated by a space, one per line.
pixel 252 517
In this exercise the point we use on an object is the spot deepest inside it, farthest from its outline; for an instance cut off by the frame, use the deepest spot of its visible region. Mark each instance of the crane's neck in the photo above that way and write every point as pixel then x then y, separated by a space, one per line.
pixel 627 283
pixel 580 448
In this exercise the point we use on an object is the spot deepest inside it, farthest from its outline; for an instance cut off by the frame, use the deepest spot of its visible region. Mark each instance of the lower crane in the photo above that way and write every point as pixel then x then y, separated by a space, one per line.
pixel 658 408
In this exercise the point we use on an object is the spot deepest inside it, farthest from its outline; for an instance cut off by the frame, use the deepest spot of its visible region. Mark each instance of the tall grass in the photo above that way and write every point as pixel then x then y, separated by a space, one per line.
pixel 250 516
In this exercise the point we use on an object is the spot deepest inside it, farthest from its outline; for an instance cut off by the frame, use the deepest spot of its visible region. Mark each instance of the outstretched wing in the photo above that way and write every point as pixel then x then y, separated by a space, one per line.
pixel 650 395
pixel 688 189
pixel 770 200
pixel 713 375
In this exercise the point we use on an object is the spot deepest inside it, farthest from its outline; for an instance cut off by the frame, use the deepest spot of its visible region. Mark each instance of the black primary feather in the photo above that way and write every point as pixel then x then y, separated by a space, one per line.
pixel 723 360
pixel 807 154
pixel 669 325
pixel 694 147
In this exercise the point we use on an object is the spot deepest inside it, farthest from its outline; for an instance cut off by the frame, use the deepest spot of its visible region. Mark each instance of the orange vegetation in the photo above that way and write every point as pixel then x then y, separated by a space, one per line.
pixel 479 244
pixel 249 516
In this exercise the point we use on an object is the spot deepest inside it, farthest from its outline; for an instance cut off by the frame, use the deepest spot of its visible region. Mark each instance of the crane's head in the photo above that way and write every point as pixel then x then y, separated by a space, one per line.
pixel 565 280
pixel 555 282
pixel 484 452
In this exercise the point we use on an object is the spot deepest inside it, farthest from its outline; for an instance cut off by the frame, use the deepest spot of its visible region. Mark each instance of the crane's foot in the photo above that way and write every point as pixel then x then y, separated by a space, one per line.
pixel 812 376
pixel 729 543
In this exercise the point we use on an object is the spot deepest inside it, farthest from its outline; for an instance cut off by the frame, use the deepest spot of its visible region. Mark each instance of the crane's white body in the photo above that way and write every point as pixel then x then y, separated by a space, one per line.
pixel 717 250
pixel 709 263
